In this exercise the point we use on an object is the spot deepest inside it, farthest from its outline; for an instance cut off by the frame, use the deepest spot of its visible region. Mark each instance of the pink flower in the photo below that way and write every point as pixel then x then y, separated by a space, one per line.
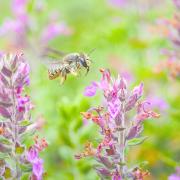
pixel 116 176
pixel 55 29
pixel 38 168
pixel 32 155
pixel 91 89
pixel 19 6
pixel 138 90
pixel 158 103
pixel 22 101
pixel 177 3
pixel 175 176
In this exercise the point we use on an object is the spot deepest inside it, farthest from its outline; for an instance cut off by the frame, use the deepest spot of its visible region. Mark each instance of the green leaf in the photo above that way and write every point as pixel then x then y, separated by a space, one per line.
pixel 26 168
pixel 122 163
pixel 25 123
pixel 25 177
pixel 136 141
pixel 3 155
pixel 4 140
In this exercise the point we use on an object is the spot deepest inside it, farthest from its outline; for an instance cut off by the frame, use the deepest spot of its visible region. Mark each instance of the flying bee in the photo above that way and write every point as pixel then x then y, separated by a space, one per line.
pixel 66 64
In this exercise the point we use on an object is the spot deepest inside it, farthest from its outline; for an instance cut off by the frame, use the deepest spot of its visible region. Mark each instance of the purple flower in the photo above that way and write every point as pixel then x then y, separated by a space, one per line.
pixel 158 103
pixel 177 3
pixel 175 176
pixel 15 108
pixel 116 176
pixel 116 128
pixel 38 168
pixel 138 90
pixel 19 7
pixel 91 89
pixel 32 155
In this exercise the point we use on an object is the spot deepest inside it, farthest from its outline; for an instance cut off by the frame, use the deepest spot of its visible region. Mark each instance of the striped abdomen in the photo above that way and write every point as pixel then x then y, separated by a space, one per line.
pixel 54 74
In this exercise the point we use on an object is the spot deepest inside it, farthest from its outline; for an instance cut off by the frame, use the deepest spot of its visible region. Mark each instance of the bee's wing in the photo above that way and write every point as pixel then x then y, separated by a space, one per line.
pixel 50 52
pixel 53 65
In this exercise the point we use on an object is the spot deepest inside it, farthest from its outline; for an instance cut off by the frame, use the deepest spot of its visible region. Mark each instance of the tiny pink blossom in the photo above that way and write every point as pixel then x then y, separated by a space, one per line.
pixel 91 89
pixel 138 90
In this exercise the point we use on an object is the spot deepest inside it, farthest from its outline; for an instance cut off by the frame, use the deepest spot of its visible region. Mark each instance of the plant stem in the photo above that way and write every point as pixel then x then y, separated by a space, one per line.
pixel 121 140
pixel 14 131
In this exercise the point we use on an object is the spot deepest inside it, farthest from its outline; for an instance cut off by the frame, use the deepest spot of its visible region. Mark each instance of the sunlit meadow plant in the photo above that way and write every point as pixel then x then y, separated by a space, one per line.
pixel 16 125
pixel 171 29
pixel 119 128
pixel 22 24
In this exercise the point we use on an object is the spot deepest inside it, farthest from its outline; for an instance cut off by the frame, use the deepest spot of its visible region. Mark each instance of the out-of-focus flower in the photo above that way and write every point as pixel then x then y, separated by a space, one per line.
pixel 19 7
pixel 175 176
pixel 116 129
pixel 91 90
pixel 172 29
pixel 117 3
pixel 38 168
pixel 54 30
pixel 139 174
pixel 177 3
pixel 18 28
pixel 158 103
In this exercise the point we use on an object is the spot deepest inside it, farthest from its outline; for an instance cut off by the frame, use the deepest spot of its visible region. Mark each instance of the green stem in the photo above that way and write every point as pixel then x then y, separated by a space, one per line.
pixel 15 133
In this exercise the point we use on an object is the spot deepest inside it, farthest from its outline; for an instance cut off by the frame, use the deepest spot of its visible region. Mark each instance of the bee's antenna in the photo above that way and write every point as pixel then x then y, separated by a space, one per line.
pixel 91 51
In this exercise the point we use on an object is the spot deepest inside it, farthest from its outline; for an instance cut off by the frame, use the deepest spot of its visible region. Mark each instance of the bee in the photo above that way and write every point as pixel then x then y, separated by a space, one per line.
pixel 66 64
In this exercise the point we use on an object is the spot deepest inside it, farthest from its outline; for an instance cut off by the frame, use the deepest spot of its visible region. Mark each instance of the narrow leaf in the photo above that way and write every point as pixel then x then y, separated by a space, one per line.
pixel 136 141
pixel 4 80
pixel 5 104
pixel 5 141
pixel 6 71
pixel 4 112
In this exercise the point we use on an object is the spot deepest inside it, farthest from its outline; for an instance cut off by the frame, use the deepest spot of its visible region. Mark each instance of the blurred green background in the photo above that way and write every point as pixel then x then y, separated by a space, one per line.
pixel 125 44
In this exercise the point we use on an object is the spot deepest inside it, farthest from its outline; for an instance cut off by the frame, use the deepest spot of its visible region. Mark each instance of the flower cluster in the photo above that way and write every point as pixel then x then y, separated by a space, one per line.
pixel 171 29
pixel 34 159
pixel 15 118
pixel 23 23
pixel 118 129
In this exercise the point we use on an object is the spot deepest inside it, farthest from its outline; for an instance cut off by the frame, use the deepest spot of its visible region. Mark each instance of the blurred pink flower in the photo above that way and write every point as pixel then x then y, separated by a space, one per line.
pixel 117 3
pixel 177 3
pixel 19 7
pixel 91 89
pixel 175 176
pixel 55 29
pixel 38 168
pixel 158 103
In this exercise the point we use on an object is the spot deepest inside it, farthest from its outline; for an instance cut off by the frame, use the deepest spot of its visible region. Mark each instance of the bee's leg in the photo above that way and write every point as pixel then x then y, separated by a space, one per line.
pixel 63 76
pixel 87 70
pixel 73 71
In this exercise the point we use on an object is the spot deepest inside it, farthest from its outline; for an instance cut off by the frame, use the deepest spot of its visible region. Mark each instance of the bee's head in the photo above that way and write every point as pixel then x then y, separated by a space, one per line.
pixel 85 61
